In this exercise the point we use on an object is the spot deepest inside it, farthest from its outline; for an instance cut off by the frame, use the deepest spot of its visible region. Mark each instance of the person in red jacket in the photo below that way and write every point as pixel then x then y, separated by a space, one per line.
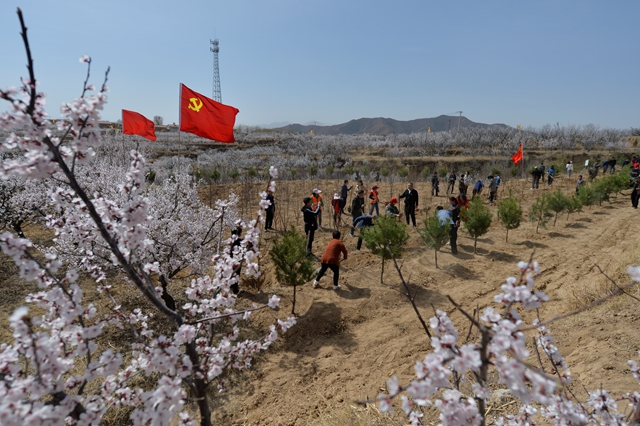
pixel 331 260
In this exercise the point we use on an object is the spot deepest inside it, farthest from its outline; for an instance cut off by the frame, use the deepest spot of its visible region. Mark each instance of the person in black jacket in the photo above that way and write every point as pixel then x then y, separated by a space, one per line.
pixel 634 193
pixel 268 223
pixel 310 222
pixel 410 196
pixel 357 207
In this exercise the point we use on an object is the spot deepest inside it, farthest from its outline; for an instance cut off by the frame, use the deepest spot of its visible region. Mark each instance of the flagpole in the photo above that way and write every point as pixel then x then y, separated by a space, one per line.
pixel 179 148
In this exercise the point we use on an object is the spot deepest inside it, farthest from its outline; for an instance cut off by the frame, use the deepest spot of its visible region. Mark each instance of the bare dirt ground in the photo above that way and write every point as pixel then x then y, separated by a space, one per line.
pixel 348 343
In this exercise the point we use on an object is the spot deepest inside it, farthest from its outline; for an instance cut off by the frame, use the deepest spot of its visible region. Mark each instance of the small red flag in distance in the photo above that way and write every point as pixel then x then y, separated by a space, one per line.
pixel 517 157
pixel 134 123
pixel 205 117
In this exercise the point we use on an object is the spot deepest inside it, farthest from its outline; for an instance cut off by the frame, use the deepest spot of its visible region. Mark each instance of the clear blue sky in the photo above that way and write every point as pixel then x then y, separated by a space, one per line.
pixel 529 62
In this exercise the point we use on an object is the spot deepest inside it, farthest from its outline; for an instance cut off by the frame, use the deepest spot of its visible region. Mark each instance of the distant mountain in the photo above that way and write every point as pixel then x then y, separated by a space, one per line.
pixel 280 124
pixel 387 126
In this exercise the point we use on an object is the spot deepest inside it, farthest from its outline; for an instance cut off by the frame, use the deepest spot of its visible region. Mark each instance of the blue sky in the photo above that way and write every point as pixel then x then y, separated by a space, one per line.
pixel 529 62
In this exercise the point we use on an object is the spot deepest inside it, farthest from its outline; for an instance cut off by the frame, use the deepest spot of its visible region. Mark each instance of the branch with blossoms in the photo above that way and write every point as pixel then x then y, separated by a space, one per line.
pixel 502 348
pixel 38 378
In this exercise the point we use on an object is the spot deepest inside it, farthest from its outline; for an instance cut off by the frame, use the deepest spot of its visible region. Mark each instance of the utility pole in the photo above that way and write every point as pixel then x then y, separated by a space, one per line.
pixel 459 117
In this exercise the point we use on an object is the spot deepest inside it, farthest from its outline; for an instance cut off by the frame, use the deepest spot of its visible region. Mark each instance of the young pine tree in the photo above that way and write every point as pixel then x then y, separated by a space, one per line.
pixel 558 203
pixel 293 266
pixel 434 234
pixel 478 220
pixel 540 211
pixel 387 230
pixel 574 206
pixel 509 214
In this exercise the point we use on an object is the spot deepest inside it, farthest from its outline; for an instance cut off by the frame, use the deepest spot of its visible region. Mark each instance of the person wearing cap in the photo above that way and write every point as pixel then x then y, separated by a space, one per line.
pixel 410 196
pixel 317 204
pixel 392 208
pixel 373 200
pixel 337 211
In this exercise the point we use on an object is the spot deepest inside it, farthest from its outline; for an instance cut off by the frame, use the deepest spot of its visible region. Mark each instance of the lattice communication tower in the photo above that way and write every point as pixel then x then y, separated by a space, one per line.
pixel 215 48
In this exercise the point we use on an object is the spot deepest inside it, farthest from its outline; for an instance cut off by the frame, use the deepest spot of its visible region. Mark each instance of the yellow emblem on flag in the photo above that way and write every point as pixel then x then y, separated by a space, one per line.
pixel 195 104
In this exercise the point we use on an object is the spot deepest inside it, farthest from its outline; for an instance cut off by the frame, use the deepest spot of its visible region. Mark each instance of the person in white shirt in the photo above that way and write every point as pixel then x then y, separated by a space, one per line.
pixel 569 168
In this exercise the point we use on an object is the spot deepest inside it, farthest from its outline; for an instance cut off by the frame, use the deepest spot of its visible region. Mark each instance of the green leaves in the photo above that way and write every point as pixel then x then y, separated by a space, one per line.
pixel 478 220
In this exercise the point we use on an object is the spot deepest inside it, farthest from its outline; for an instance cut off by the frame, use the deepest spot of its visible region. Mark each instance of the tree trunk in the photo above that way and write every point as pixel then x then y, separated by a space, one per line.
pixel 293 307
pixel 168 299
pixel 475 243
pixel 382 271
pixel 506 240
pixel 538 225
pixel 436 253
pixel 555 220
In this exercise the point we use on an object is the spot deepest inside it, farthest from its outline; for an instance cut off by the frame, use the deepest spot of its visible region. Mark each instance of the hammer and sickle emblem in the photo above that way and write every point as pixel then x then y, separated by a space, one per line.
pixel 195 104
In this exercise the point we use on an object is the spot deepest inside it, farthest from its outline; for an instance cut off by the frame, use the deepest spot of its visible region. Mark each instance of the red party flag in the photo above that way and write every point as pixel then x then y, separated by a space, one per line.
pixel 517 157
pixel 134 123
pixel 205 117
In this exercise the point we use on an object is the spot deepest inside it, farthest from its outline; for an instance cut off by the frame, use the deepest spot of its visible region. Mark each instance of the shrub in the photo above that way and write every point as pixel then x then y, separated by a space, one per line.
pixel 252 173
pixel 425 173
pixel 442 172
pixel 495 170
pixel 329 170
pixel 478 220
pixel 349 169
pixel 384 172
pixel 403 172
pixel 234 174
pixel 364 171
pixel 313 170
pixel 509 213
pixel 514 171
pixel 214 175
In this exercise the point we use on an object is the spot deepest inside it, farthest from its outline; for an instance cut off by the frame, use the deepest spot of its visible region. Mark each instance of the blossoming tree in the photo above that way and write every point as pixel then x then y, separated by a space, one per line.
pixel 55 371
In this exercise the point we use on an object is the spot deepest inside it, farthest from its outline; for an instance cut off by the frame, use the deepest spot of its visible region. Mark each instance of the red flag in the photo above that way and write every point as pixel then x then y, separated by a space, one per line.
pixel 517 157
pixel 205 117
pixel 134 123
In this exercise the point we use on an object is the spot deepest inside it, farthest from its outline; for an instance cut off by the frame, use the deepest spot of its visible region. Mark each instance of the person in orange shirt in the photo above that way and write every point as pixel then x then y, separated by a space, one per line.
pixel 331 260
pixel 373 200
pixel 316 202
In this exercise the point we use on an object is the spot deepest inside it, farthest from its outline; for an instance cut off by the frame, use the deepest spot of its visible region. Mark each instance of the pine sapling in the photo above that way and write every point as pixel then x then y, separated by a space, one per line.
pixel 509 214
pixel 434 234
pixel 386 231
pixel 478 220
pixel 558 203
pixel 540 212
pixel 293 266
